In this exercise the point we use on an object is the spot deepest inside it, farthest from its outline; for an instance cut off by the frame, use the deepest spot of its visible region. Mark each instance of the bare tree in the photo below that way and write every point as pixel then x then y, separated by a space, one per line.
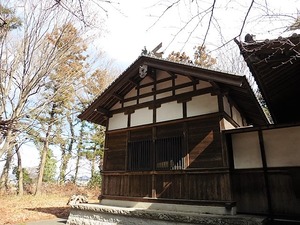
pixel 85 10
pixel 27 59
pixel 20 172
pixel 216 23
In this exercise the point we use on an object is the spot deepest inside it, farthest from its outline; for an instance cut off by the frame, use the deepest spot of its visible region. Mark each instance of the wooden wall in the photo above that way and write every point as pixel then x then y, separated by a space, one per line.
pixel 115 155
pixel 275 192
pixel 204 144
pixel 266 170
pixel 187 185
pixel 204 177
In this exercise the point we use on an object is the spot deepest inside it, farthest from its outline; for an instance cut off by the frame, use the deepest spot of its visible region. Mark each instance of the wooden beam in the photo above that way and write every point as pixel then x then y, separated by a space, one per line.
pixel 173 75
pixel 117 96
pixel 151 73
pixel 192 78
pixel 217 89
pixel 186 99
pixel 158 102
pixel 200 73
pixel 102 111
pixel 129 111
pixel 135 83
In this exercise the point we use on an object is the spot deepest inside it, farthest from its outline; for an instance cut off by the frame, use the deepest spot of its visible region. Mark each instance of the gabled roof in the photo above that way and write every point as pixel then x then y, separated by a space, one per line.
pixel 275 65
pixel 235 86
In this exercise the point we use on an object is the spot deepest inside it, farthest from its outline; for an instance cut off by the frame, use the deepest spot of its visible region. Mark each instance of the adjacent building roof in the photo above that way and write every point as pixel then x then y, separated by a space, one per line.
pixel 237 87
pixel 275 65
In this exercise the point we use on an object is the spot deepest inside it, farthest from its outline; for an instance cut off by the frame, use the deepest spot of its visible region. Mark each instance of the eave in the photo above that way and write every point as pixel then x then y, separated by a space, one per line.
pixel 275 65
pixel 237 87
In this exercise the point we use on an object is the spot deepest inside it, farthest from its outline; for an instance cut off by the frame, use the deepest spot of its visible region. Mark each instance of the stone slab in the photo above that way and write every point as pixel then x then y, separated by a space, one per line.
pixel 203 209
pixel 97 214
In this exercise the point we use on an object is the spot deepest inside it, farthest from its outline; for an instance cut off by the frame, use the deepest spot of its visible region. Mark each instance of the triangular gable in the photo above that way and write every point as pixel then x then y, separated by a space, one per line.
pixel 121 93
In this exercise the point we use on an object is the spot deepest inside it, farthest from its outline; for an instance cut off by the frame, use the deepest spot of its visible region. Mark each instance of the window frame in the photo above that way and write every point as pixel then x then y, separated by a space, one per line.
pixel 160 154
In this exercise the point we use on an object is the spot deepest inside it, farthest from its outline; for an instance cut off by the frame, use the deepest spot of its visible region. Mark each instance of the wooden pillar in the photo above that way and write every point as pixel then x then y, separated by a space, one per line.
pixel 265 171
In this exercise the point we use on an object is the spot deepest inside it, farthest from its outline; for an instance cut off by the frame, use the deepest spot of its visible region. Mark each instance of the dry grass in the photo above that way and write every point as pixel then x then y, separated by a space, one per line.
pixel 20 210
pixel 14 209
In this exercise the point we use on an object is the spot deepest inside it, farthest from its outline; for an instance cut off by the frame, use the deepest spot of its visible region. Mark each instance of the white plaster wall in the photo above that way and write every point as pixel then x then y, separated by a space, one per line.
pixel 145 90
pixel 116 106
pixel 203 84
pixel 182 80
pixel 282 146
pixel 146 80
pixel 246 150
pixel 164 95
pixel 227 125
pixel 202 104
pixel 141 117
pixel 162 74
pixel 146 99
pixel 131 93
pixel 164 85
pixel 130 103
pixel 184 90
pixel 169 111
pixel 117 121
pixel 236 116
pixel 226 105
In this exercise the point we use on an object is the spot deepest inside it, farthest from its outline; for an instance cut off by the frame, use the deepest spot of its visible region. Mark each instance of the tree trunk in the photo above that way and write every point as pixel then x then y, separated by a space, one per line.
pixel 45 149
pixel 93 161
pixel 79 149
pixel 76 166
pixel 63 166
pixel 4 176
pixel 8 142
pixel 20 171
pixel 38 189
pixel 67 153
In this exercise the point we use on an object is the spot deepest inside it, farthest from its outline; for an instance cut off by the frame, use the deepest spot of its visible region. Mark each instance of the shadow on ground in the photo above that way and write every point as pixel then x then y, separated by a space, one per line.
pixel 60 212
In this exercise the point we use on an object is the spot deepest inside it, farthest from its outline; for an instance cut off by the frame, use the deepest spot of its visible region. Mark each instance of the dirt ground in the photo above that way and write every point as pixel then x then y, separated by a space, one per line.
pixel 15 210
pixel 28 208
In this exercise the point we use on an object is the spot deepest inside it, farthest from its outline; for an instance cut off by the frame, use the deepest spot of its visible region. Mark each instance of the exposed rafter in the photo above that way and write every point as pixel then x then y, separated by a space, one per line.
pixel 117 96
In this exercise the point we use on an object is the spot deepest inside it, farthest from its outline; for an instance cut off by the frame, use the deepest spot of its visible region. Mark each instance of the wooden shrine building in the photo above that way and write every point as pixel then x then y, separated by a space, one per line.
pixel 172 137
pixel 164 125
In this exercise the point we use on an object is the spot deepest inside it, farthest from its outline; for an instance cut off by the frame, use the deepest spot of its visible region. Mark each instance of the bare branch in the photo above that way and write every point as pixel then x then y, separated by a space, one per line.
pixel 246 16
pixel 163 13
pixel 209 22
